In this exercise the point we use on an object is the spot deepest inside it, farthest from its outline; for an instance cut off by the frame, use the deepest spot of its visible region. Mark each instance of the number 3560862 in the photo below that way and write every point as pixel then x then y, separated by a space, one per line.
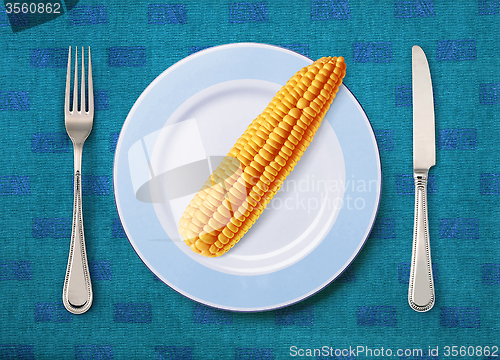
pixel 33 8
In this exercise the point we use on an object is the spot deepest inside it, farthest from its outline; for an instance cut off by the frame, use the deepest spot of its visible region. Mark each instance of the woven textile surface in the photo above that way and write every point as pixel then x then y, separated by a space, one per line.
pixel 362 315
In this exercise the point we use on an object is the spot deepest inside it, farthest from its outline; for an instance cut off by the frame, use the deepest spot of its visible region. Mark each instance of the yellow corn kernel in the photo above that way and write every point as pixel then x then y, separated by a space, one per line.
pixel 255 168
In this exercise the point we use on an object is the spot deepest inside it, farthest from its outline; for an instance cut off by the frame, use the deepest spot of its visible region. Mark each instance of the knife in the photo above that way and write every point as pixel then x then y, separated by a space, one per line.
pixel 421 289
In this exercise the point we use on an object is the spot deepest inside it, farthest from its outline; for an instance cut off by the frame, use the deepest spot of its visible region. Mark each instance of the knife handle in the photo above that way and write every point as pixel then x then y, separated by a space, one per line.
pixel 421 290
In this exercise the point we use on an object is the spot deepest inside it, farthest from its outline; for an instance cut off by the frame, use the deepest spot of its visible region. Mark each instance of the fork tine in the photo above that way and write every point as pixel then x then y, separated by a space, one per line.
pixel 82 95
pixel 91 87
pixel 75 85
pixel 68 84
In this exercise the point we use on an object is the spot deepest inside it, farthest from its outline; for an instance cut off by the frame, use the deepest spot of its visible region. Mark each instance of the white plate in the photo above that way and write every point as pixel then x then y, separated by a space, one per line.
pixel 178 131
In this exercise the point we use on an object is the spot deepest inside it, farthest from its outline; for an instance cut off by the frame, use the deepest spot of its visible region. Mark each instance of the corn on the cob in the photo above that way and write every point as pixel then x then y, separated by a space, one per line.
pixel 255 168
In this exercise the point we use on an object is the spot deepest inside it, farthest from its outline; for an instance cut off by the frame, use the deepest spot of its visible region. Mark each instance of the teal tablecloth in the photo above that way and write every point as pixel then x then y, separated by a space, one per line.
pixel 135 316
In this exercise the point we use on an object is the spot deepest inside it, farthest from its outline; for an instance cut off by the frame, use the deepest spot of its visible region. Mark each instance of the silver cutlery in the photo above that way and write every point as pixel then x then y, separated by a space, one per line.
pixel 421 295
pixel 77 290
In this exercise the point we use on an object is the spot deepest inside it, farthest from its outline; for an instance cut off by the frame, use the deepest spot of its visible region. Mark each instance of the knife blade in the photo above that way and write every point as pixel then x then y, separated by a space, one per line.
pixel 421 296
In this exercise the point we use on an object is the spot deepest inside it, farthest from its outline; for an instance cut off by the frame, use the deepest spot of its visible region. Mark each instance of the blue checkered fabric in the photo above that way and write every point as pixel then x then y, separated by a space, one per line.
pixel 135 316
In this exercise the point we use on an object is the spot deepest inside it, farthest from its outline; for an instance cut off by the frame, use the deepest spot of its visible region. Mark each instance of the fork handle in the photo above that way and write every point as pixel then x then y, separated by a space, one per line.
pixel 77 291
pixel 421 287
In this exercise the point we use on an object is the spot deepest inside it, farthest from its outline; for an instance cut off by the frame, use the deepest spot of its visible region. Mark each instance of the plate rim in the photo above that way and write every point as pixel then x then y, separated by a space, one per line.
pixel 185 294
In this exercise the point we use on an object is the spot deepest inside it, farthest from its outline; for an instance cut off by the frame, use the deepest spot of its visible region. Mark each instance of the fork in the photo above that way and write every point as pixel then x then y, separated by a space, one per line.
pixel 77 290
